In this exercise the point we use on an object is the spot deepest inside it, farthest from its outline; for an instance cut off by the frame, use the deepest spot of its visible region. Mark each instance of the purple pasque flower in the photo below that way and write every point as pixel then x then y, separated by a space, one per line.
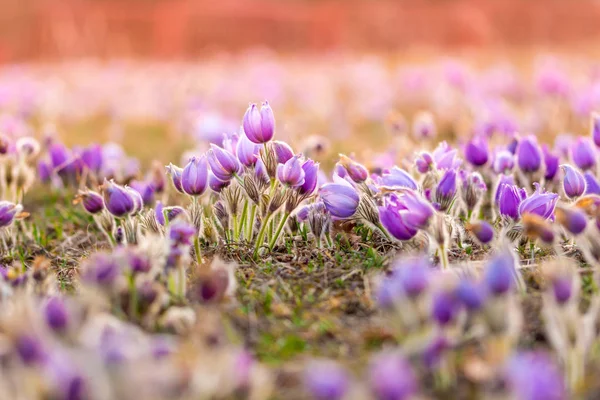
pixel 423 126
pixel 391 377
pixel 551 162
pixel 223 164
pixel 194 178
pixel 583 153
pixel 340 198
pixel 118 200
pixel 44 171
pixel 509 200
pixel 92 157
pixel 29 348
pixel 326 380
pixel 472 188
pixel 181 232
pixel 311 177
pixel 562 287
pixel 444 307
pixel 445 191
pixel 259 125
pixel 101 269
pixel 410 277
pixel 595 128
pixel 502 180
pixel 145 189
pixel 291 173
pixel 56 314
pixel 283 151
pixel 246 151
pixel 529 155
pixel 158 213
pixel 573 219
pixel 482 230
pixel 175 173
pixel 500 273
pixel 229 142
pixel 539 203
pixel 92 201
pixel 8 212
pixel 476 151
pixel 445 157
pixel 535 375
pixel 397 178
pixel 504 162
pixel 356 171
pixel 215 184
pixel 471 294
pixel 403 215
pixel 592 186
pixel 138 201
pixel 424 162
pixel 574 183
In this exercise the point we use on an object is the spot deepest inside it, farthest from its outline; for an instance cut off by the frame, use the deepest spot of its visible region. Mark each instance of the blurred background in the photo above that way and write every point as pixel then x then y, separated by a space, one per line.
pixel 180 73
pixel 176 29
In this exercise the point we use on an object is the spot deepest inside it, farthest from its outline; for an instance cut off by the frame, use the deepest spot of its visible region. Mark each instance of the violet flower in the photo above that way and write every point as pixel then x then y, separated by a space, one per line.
pixel 56 314
pixel 397 178
pixel 592 186
pixel 291 173
pixel 246 151
pixel 445 191
pixel 500 273
pixel 311 176
pixel 194 178
pixel 529 155
pixel 482 230
pixel 535 376
pixel 539 203
pixel 8 212
pixel 583 154
pixel 476 151
pixel 341 200
pixel 283 151
pixel 551 162
pixel 573 181
pixel 259 126
pixel 403 216
pixel 356 171
pixel 175 173
pixel 391 377
pixel 504 162
pixel 223 164
pixel 509 201
pixel 326 380
pixel 118 200
pixel 92 201
pixel 595 128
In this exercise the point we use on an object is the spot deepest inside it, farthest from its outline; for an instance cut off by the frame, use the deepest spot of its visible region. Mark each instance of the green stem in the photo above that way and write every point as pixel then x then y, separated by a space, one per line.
pixel 234 224
pixel 197 249
pixel 279 229
pixel 444 257
pixel 133 299
pixel 250 223
pixel 261 235
pixel 384 231
pixel 243 219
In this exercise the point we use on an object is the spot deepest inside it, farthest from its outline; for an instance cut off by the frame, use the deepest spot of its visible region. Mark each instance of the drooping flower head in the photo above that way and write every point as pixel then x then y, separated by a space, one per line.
pixel 356 171
pixel 223 163
pixel 340 198
pixel 8 212
pixel 92 201
pixel 118 200
pixel 175 173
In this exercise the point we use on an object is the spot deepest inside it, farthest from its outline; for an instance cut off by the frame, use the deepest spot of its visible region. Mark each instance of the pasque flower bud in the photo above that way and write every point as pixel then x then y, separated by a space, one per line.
pixel 259 125
pixel 476 151
pixel 583 153
pixel 573 181
pixel 341 200
pixel 175 173
pixel 356 171
pixel 222 163
pixel 194 177
pixel 118 200
pixel 529 155
pixel 92 201
pixel 291 173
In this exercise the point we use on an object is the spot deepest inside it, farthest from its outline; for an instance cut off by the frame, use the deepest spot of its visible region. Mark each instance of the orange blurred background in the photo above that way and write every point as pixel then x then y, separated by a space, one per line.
pixel 179 29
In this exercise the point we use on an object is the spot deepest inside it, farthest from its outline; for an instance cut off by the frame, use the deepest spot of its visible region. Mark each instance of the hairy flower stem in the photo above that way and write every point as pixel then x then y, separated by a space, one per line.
pixel 197 249
pixel 444 257
pixel 108 235
pixel 234 224
pixel 261 235
pixel 133 298
pixel 243 217
pixel 278 231
pixel 384 231
pixel 250 223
